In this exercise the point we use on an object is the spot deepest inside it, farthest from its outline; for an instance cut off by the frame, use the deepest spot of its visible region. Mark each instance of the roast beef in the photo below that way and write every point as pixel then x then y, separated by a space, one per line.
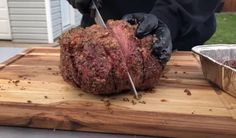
pixel 96 59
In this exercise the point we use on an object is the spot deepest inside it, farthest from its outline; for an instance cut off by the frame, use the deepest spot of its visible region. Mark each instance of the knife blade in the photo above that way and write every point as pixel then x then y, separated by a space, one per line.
pixel 99 20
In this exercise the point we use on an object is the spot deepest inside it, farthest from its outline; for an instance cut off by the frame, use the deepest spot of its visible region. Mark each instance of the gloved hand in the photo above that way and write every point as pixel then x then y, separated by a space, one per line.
pixel 84 5
pixel 150 24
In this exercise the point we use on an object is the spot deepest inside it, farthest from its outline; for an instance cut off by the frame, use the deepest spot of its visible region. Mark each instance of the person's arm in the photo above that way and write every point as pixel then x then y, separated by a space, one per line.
pixel 181 16
pixel 81 5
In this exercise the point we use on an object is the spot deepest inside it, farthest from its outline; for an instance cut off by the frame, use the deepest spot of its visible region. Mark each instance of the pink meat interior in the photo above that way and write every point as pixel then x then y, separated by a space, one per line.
pixel 123 39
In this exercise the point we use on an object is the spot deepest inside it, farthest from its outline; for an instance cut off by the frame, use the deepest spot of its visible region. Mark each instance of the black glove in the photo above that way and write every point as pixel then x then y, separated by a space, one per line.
pixel 150 24
pixel 84 5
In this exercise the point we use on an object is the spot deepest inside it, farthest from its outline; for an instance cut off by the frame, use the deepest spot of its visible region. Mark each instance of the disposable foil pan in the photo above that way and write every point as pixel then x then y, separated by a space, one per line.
pixel 212 59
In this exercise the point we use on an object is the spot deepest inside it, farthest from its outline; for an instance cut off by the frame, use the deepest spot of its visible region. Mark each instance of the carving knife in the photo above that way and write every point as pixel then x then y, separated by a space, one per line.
pixel 99 20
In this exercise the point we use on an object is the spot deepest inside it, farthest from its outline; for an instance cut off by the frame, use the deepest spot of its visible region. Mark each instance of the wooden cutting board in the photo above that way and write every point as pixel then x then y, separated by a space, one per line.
pixel 184 104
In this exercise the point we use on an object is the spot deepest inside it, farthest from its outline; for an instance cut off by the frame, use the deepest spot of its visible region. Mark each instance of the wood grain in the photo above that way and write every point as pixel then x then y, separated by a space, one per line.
pixel 229 5
pixel 42 99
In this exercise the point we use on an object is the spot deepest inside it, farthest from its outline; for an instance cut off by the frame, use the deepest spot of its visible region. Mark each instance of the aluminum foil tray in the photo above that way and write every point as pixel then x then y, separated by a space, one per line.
pixel 212 59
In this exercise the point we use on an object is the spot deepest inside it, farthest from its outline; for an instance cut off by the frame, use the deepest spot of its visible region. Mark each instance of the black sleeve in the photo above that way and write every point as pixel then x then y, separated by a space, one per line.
pixel 182 16
pixel 72 3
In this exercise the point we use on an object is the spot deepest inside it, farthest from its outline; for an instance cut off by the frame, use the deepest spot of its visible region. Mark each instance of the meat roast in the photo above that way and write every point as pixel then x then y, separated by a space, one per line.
pixel 96 59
